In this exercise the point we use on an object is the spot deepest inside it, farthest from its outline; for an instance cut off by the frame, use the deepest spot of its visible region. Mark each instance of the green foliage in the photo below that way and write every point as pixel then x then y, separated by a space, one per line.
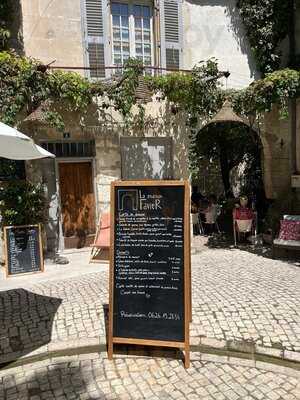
pixel 267 23
pixel 229 145
pixel 276 88
pixel 198 95
pixel 22 203
pixel 122 96
pixel 26 86
pixel 11 169
pixel 6 9
pixel 71 88
pixel 23 87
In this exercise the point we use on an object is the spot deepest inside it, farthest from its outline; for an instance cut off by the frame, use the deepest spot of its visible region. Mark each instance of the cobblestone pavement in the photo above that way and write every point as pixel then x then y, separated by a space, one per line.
pixel 242 296
pixel 92 377
pixel 237 296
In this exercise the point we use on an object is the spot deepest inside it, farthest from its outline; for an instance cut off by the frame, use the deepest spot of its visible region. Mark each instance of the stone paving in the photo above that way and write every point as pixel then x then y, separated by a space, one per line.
pixel 237 297
pixel 92 377
pixel 242 296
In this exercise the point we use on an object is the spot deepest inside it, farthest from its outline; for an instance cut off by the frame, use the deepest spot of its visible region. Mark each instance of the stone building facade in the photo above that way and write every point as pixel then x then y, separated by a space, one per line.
pixel 170 34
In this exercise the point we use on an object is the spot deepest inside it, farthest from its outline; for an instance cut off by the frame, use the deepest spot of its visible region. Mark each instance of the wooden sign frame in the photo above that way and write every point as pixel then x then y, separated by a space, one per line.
pixel 185 345
pixel 5 229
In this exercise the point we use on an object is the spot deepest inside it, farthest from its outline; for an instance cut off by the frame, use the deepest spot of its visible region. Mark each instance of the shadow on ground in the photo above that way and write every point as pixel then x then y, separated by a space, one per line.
pixel 63 381
pixel 223 241
pixel 26 322
pixel 226 242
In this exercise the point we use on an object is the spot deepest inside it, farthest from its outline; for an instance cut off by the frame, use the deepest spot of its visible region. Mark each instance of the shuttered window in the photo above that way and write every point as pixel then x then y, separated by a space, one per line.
pixel 171 33
pixel 106 30
pixel 95 34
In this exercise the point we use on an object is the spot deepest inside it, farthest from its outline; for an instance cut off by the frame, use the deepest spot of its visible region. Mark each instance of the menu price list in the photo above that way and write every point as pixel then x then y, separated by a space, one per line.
pixel 149 263
pixel 23 250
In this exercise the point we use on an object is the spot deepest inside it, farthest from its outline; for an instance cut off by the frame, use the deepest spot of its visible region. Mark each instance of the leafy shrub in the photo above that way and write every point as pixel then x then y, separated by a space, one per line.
pixel 22 203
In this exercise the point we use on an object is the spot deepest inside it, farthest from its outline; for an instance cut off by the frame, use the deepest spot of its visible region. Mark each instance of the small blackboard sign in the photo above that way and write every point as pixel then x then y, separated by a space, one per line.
pixel 149 269
pixel 24 250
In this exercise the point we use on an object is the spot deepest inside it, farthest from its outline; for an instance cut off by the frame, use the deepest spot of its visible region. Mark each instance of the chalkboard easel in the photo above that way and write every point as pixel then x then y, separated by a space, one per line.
pixel 23 250
pixel 149 282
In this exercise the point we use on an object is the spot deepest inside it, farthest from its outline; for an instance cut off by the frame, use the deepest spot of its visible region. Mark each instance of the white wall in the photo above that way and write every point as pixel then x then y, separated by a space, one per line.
pixel 213 28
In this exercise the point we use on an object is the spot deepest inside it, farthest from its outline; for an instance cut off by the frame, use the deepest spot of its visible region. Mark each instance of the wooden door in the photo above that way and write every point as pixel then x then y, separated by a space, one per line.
pixel 77 203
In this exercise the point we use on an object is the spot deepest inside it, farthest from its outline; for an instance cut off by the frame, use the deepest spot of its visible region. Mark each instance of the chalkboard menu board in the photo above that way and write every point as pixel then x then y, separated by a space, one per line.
pixel 23 246
pixel 149 274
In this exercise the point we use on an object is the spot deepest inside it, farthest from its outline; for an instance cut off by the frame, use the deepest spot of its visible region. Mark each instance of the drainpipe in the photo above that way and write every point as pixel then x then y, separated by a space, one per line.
pixel 157 43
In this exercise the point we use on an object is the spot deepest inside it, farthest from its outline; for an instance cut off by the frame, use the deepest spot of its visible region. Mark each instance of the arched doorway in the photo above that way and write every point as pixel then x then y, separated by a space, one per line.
pixel 229 147
pixel 230 154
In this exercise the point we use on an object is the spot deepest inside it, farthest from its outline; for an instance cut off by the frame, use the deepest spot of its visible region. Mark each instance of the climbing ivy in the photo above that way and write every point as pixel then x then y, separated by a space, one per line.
pixel 27 85
pixel 267 23
pixel 200 99
pixel 276 88
pixel 197 94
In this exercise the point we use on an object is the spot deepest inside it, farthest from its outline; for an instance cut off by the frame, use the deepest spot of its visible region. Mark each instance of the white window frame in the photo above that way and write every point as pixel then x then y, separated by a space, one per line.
pixel 131 4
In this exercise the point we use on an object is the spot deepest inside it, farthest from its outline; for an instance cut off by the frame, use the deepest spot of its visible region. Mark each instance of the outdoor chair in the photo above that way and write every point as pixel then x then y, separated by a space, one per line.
pixel 241 227
pixel 102 239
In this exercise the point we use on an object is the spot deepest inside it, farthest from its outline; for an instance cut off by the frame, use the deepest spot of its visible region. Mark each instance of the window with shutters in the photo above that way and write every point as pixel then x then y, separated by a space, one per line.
pixel 132 34
pixel 118 29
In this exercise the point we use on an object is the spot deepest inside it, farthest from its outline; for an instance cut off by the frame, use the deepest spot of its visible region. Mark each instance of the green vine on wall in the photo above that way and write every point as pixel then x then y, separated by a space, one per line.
pixel 267 23
pixel 197 94
pixel 27 85
pixel 200 99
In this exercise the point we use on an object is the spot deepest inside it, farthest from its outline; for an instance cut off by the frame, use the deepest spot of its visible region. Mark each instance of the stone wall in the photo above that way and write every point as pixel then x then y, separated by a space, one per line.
pixel 276 140
pixel 106 133
pixel 52 31
pixel 158 123
pixel 108 162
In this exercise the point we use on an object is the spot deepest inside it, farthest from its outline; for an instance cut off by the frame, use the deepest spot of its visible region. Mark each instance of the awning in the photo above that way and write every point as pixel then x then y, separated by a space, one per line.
pixel 15 145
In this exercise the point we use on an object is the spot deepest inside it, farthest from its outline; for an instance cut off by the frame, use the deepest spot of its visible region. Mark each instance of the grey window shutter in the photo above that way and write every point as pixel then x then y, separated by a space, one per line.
pixel 171 27
pixel 96 15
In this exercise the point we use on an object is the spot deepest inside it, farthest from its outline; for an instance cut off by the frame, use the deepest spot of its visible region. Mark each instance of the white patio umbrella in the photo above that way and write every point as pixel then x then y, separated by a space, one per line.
pixel 17 146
